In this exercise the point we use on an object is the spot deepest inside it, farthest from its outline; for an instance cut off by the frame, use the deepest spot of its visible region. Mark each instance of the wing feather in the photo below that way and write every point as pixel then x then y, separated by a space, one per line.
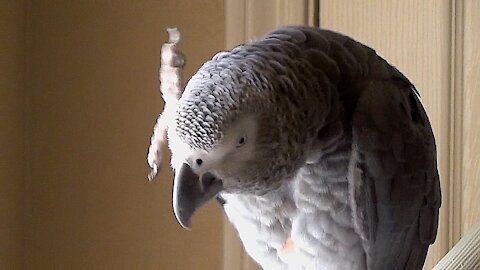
pixel 393 177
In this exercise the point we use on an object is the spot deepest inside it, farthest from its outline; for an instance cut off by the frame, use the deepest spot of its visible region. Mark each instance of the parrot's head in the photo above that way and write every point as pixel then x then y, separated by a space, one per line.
pixel 232 135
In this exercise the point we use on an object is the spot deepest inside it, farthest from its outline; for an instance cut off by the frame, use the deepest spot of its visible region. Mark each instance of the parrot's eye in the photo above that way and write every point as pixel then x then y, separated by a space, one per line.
pixel 241 142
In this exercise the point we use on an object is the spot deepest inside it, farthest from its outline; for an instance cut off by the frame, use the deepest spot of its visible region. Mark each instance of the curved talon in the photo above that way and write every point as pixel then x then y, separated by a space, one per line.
pixel 153 173
pixel 173 35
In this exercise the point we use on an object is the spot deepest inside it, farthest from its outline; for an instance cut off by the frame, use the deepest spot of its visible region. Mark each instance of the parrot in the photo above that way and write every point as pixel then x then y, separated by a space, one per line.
pixel 318 150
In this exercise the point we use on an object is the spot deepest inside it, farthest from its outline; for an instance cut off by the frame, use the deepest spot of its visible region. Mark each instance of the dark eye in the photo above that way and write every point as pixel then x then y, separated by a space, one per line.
pixel 241 142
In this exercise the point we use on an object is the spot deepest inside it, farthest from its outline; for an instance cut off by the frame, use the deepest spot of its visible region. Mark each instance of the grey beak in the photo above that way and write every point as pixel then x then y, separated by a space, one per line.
pixel 190 193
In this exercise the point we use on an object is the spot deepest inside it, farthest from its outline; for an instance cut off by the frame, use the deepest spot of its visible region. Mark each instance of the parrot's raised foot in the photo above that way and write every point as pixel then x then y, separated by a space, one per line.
pixel 172 63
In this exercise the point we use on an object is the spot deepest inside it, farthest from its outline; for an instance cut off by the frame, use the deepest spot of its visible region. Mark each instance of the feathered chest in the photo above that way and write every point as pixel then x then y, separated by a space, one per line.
pixel 306 224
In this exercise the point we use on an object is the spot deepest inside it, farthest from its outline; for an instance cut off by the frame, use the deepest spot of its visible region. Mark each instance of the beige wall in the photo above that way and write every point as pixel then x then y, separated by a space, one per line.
pixel 12 56
pixel 92 100
pixel 470 110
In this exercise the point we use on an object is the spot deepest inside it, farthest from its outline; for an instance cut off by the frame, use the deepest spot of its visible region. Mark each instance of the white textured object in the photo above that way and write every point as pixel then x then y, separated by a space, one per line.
pixel 465 255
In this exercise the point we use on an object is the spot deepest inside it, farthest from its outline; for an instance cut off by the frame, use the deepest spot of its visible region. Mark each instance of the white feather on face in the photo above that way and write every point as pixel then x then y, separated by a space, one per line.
pixel 232 155
pixel 235 158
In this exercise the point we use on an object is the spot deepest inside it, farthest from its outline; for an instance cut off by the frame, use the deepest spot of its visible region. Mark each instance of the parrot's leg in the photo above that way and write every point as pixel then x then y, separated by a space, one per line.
pixel 172 64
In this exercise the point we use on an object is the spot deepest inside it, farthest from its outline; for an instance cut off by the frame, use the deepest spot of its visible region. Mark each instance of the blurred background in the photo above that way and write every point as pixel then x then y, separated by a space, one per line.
pixel 79 98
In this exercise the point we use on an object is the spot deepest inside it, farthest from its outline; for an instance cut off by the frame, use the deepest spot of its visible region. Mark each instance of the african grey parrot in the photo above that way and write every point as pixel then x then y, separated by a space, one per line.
pixel 319 151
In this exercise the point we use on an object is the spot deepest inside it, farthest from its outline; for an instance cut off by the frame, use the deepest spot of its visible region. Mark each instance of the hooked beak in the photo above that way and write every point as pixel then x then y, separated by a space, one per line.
pixel 190 192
